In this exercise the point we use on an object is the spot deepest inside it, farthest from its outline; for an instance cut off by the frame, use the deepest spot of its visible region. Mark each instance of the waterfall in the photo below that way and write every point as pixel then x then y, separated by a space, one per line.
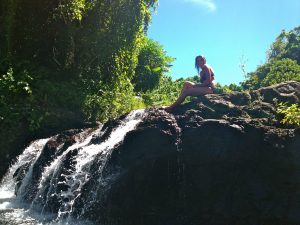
pixel 27 157
pixel 62 179
pixel 7 187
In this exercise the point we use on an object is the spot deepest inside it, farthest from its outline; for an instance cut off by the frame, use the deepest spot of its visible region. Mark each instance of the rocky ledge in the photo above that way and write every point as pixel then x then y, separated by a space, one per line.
pixel 219 159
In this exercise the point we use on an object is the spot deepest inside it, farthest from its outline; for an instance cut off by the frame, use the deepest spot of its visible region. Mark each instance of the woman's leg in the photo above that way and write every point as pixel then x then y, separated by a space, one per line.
pixel 193 91
pixel 187 85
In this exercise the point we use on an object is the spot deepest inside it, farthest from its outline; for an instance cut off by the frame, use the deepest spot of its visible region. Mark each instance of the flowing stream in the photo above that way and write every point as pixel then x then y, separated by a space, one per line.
pixel 31 201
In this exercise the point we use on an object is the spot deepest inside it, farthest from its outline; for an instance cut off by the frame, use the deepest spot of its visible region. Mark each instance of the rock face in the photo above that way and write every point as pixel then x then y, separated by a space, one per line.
pixel 220 159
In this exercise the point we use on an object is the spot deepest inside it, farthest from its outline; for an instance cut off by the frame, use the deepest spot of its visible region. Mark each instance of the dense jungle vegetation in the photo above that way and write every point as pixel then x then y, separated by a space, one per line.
pixel 65 62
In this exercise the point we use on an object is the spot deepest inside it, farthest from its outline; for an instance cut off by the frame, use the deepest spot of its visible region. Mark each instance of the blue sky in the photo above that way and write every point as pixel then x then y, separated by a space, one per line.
pixel 227 32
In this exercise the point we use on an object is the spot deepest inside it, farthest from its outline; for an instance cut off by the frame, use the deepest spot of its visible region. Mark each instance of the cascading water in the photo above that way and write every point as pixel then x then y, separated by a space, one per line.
pixel 8 210
pixel 51 198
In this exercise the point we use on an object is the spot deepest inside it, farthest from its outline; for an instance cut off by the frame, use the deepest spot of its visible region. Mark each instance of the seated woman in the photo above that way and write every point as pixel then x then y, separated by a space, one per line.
pixel 191 89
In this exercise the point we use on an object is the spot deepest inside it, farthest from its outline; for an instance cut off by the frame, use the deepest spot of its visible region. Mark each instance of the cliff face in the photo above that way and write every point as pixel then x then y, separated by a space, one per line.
pixel 220 159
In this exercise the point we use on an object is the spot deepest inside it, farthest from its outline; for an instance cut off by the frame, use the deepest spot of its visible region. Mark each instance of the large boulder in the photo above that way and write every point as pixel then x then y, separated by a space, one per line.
pixel 219 159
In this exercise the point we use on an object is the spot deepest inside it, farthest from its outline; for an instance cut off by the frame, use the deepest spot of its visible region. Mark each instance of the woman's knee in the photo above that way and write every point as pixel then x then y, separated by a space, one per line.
pixel 188 84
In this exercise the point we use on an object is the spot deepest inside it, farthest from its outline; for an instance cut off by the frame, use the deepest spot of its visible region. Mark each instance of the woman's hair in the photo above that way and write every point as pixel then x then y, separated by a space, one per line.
pixel 199 57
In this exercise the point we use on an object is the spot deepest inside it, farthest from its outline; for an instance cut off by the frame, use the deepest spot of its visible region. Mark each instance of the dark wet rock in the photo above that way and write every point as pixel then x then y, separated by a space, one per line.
pixel 239 98
pixel 19 175
pixel 283 92
pixel 224 172
pixel 219 159
pixel 107 129
pixel 235 164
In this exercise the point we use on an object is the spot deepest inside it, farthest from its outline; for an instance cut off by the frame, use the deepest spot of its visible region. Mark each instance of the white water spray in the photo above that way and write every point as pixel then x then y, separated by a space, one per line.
pixel 75 177
pixel 87 154
pixel 29 155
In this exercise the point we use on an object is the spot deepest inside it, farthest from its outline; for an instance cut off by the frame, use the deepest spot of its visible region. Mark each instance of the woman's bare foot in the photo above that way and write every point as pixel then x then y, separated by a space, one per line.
pixel 168 109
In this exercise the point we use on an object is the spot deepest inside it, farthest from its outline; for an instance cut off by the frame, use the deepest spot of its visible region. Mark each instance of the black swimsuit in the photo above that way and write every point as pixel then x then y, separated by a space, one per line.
pixel 203 77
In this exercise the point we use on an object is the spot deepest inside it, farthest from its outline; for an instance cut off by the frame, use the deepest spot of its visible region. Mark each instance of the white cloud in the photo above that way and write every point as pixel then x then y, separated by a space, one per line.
pixel 208 4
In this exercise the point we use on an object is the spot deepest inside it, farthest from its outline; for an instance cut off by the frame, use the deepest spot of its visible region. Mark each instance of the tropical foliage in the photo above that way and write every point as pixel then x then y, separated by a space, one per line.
pixel 73 55
pixel 153 63
pixel 68 61
pixel 65 62
pixel 283 62
pixel 291 114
